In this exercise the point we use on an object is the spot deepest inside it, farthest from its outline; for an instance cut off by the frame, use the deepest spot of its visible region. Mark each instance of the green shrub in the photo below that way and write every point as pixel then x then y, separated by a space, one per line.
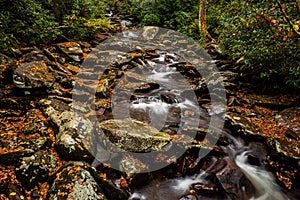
pixel 256 34
pixel 25 22
pixel 31 22
pixel 179 15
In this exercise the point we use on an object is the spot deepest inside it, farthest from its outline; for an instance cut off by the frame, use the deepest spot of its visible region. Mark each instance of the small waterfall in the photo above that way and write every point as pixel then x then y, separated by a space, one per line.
pixel 161 76
pixel 154 107
pixel 262 180
pixel 171 189
pixel 157 106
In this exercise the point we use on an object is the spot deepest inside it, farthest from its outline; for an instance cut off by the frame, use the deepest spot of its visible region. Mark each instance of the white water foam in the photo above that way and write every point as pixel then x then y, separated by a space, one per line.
pixel 182 185
pixel 262 180
pixel 158 107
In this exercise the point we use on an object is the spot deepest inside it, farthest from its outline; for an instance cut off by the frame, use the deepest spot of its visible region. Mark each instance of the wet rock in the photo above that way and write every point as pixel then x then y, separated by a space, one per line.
pixel 134 82
pixel 72 50
pixel 242 127
pixel 35 122
pixel 34 169
pixel 158 190
pixel 132 166
pixel 232 179
pixel 12 191
pixel 34 74
pixel 36 55
pixel 290 117
pixel 133 135
pixel 74 181
pixel 284 150
pixel 273 102
pixel 170 97
pixel 112 190
pixel 208 188
pixel 189 197
pixel 253 160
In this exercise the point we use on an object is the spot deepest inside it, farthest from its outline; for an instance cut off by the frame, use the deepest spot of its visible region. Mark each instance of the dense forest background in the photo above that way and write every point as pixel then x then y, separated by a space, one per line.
pixel 260 38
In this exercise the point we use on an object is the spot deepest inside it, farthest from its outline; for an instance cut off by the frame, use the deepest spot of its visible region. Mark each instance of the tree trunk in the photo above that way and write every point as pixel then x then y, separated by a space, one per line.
pixel 201 19
pixel 58 8
pixel 202 22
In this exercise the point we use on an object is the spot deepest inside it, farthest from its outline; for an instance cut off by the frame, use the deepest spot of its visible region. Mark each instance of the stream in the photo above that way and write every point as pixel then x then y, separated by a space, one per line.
pixel 168 131
pixel 166 108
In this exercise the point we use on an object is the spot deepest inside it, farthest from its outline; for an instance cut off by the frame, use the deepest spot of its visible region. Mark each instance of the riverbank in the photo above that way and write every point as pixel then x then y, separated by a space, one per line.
pixel 42 153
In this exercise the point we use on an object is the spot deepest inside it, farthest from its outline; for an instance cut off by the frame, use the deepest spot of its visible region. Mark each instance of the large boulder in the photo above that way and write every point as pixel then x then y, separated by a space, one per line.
pixel 135 136
pixel 73 132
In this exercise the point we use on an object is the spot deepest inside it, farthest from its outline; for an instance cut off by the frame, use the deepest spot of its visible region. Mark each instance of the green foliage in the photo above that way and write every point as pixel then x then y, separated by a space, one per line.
pixel 256 34
pixel 25 22
pixel 31 22
pixel 85 17
pixel 180 15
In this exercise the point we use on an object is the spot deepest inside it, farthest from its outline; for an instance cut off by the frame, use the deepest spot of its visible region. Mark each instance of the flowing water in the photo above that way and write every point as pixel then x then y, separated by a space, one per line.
pixel 165 107
pixel 264 182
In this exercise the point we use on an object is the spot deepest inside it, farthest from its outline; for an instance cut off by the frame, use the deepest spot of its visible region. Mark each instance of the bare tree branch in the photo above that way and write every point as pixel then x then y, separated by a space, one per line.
pixel 287 18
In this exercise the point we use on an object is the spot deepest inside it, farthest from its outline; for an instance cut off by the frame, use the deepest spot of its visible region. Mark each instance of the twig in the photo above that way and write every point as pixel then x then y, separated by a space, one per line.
pixel 287 18
pixel 58 27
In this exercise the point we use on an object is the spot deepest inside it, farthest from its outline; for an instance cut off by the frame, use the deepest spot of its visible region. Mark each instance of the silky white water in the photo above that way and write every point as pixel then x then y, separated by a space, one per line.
pixel 262 180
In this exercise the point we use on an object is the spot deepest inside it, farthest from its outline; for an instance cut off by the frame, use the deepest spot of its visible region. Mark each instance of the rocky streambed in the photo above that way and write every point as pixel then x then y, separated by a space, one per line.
pixel 85 122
